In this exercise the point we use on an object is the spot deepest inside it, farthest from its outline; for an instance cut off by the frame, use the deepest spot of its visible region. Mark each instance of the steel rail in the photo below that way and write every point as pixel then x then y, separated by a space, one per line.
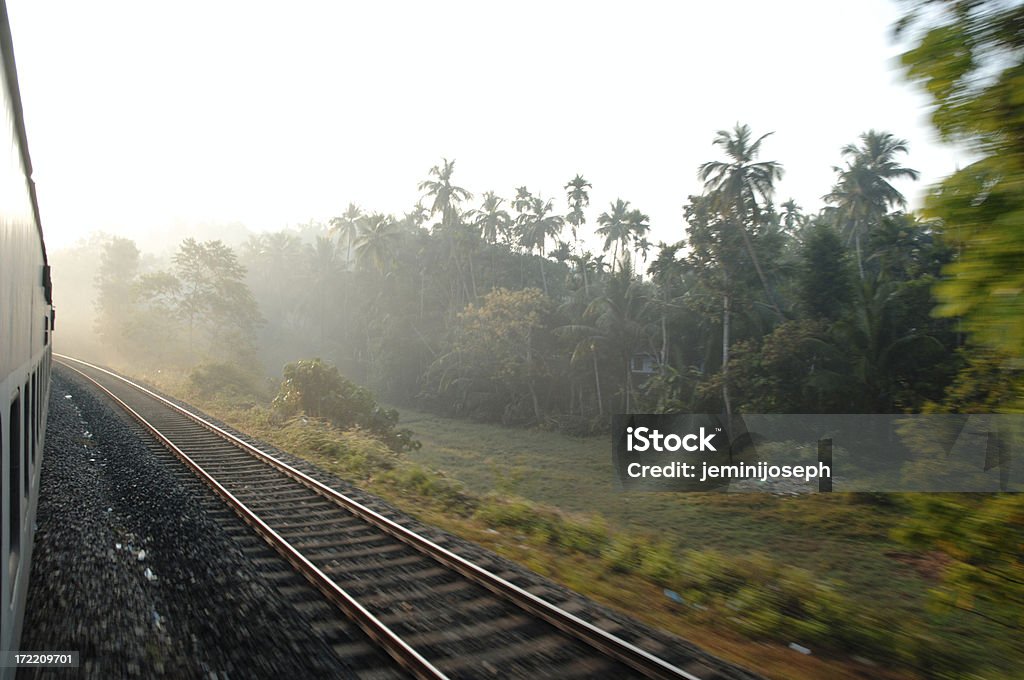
pixel 397 648
pixel 605 642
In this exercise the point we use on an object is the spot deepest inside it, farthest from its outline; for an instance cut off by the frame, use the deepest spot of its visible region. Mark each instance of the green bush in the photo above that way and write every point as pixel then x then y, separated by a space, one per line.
pixel 317 389
pixel 765 599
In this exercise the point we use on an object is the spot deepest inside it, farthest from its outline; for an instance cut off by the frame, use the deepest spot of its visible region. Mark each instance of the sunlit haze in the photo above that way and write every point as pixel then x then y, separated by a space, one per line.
pixel 148 117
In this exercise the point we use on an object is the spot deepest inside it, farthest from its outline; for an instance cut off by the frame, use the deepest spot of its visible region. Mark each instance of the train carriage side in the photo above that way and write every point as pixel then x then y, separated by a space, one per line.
pixel 26 320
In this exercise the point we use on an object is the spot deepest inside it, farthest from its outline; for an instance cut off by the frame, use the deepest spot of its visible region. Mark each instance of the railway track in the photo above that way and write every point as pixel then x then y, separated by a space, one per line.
pixel 436 613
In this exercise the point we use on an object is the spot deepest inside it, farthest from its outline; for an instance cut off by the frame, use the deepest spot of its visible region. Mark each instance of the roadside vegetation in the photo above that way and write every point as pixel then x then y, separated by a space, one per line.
pixel 497 311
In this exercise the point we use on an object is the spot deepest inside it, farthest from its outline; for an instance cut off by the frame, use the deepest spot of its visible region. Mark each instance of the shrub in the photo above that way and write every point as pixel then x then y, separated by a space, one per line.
pixel 317 389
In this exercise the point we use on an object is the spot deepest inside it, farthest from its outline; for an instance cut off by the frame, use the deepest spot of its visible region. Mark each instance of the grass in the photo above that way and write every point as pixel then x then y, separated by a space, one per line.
pixel 827 535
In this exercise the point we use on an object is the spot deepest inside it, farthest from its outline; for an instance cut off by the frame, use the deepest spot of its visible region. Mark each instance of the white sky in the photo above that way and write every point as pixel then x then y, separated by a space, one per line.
pixel 143 115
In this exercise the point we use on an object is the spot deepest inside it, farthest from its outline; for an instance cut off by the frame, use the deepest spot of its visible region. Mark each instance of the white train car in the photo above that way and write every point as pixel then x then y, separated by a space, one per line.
pixel 26 325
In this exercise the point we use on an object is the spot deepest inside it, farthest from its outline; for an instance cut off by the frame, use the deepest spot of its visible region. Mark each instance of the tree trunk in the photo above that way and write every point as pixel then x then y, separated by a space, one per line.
pixel 760 272
pixel 472 275
pixel 860 261
pixel 726 313
pixel 629 383
pixel 664 343
pixel 597 383
pixel 536 404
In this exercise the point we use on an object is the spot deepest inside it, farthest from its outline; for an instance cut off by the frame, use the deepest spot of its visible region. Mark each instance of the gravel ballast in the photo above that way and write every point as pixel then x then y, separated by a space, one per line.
pixel 130 571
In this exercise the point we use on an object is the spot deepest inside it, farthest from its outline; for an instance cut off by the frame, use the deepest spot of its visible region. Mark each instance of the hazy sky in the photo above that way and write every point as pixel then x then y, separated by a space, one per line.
pixel 144 115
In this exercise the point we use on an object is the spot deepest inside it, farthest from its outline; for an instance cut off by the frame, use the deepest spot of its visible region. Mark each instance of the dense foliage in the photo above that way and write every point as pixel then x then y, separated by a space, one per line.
pixel 488 312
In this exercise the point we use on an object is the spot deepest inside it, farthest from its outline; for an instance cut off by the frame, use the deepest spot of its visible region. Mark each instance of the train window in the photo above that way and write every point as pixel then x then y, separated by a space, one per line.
pixel 37 404
pixel 35 424
pixel 26 439
pixel 14 489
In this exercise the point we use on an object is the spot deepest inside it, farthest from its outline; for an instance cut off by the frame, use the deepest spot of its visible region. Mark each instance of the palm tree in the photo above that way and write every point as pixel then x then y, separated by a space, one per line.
pixel 585 263
pixel 377 240
pixel 639 225
pixel 521 203
pixel 537 226
pixel 792 216
pixel 347 228
pixel 740 185
pixel 665 270
pixel 490 220
pixel 616 228
pixel 576 193
pixel 862 192
pixel 446 195
pixel 615 322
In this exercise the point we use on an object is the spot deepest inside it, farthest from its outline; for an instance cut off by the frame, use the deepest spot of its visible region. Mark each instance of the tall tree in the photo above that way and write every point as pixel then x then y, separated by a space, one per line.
pixel 792 216
pixel 863 192
pixel 578 198
pixel 616 228
pixel 115 281
pixel 825 286
pixel 665 271
pixel 741 187
pixel 491 220
pixel 207 290
pixel 537 226
pixel 446 196
pixel 346 228
pixel 639 225
pixel 375 246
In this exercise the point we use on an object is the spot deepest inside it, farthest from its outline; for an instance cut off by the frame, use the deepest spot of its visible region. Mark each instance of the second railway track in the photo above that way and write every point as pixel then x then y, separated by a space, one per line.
pixel 435 612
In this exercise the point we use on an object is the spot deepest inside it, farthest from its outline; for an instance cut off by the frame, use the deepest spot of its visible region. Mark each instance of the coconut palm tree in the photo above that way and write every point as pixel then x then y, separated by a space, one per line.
pixel 862 192
pixel 446 196
pixel 665 270
pixel 537 226
pixel 616 228
pixel 377 241
pixel 792 216
pixel 741 187
pixel 576 193
pixel 491 220
pixel 346 228
pixel 615 323
pixel 639 225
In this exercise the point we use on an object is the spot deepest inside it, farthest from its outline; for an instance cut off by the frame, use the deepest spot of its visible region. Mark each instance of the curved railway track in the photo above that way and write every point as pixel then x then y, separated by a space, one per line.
pixel 436 613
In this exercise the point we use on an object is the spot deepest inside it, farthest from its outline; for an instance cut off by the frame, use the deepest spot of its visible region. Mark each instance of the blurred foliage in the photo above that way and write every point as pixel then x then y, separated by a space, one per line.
pixel 983 537
pixel 970 57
